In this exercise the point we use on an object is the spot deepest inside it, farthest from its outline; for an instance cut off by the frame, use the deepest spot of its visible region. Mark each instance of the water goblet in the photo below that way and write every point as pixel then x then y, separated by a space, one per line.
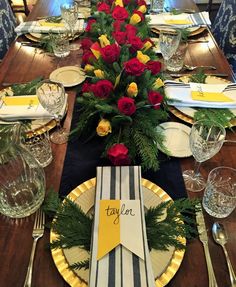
pixel 69 13
pixel 206 139
pixel 52 97
pixel 169 40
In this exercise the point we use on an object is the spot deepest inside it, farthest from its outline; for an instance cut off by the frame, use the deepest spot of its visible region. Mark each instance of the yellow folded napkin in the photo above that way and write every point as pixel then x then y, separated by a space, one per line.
pixel 208 93
pixel 50 24
pixel 21 100
pixel 178 22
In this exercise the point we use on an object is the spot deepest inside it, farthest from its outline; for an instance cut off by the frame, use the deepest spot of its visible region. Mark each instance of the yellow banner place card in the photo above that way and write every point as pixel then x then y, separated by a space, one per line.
pixel 119 251
pixel 122 220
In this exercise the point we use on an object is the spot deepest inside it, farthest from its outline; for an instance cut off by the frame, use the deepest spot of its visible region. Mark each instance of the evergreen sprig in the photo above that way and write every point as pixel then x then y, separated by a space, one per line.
pixel 27 88
pixel 166 224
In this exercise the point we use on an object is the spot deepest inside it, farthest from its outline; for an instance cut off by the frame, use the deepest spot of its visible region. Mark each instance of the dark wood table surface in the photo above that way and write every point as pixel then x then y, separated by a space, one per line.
pixel 24 63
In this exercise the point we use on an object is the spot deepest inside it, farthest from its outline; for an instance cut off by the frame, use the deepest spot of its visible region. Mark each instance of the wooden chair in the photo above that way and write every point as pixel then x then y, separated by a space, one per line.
pixel 7 29
pixel 224 30
pixel 20 8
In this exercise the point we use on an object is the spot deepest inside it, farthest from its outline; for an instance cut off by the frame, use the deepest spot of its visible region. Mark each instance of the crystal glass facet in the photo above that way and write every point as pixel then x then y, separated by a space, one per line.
pixel 22 180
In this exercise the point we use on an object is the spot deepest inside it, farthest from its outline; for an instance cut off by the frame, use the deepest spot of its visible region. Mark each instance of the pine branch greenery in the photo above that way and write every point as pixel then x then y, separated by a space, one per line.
pixel 166 224
pixel 27 88
pixel 80 265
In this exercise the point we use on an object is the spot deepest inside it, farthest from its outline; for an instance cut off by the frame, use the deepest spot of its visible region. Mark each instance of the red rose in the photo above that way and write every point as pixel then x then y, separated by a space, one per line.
pixel 103 7
pixel 86 43
pixel 88 57
pixel 86 88
pixel 126 106
pixel 120 13
pixel 141 2
pixel 135 42
pixel 126 2
pixel 118 154
pixel 120 37
pixel 134 67
pixel 89 25
pixel 131 30
pixel 155 99
pixel 117 25
pixel 110 53
pixel 154 66
pixel 102 89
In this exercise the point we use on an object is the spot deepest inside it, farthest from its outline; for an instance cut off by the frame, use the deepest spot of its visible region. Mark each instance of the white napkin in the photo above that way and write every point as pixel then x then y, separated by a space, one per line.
pixel 36 27
pixel 23 112
pixel 180 95
pixel 182 20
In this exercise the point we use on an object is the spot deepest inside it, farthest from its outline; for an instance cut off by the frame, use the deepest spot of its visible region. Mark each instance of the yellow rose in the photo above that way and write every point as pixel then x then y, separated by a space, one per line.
pixel 142 57
pixel 135 19
pixel 119 3
pixel 103 128
pixel 99 73
pixel 142 9
pixel 158 83
pixel 104 41
pixel 88 68
pixel 132 89
pixel 147 45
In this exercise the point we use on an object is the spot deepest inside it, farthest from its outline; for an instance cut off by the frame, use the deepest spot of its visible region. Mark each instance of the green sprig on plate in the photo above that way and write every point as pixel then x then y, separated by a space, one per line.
pixel 164 224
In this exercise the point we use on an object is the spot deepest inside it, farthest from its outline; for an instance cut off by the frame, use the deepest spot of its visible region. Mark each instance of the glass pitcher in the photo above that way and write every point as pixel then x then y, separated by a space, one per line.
pixel 22 180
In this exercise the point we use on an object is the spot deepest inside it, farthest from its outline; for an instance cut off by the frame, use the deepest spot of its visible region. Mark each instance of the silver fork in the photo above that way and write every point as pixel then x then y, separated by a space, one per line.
pixel 37 233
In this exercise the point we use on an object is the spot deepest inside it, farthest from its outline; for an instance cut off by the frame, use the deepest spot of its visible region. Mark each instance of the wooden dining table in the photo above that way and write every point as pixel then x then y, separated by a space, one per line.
pixel 23 63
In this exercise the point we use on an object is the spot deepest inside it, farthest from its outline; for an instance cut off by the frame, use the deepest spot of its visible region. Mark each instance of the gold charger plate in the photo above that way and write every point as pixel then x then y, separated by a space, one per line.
pixel 37 126
pixel 192 33
pixel 84 196
pixel 186 114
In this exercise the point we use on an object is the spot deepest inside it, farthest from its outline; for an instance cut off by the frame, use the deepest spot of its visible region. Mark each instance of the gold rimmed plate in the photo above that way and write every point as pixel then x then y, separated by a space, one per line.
pixel 186 114
pixel 69 76
pixel 165 263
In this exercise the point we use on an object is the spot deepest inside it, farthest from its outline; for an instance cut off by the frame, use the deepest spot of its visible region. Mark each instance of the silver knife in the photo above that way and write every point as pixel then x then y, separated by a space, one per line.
pixel 201 226
pixel 178 75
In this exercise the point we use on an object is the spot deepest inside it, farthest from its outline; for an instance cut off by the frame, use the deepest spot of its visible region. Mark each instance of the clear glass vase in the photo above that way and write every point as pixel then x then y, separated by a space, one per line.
pixel 22 180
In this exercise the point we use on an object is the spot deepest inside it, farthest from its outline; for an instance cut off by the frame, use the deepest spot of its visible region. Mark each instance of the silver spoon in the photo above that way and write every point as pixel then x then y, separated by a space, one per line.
pixel 220 237
pixel 191 68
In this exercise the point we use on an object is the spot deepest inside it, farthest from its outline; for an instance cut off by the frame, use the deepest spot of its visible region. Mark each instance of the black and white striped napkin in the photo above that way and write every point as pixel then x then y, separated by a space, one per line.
pixel 120 267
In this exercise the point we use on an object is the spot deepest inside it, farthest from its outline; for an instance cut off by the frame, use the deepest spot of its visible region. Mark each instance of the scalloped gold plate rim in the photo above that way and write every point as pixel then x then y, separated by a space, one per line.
pixel 186 118
pixel 74 280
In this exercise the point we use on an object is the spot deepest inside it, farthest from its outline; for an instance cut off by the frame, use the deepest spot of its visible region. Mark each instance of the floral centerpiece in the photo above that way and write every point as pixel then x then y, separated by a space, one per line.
pixel 123 98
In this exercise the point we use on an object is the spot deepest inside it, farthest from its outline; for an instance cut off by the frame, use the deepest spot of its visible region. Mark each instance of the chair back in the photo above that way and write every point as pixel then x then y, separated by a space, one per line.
pixel 224 30
pixel 7 26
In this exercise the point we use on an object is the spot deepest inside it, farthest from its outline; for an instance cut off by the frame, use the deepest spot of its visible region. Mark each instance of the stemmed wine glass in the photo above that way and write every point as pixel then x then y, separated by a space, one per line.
pixel 52 97
pixel 69 13
pixel 206 139
pixel 169 40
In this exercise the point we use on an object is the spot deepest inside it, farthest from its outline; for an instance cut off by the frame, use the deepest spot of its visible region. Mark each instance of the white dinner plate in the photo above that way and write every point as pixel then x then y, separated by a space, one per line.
pixel 176 139
pixel 69 76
